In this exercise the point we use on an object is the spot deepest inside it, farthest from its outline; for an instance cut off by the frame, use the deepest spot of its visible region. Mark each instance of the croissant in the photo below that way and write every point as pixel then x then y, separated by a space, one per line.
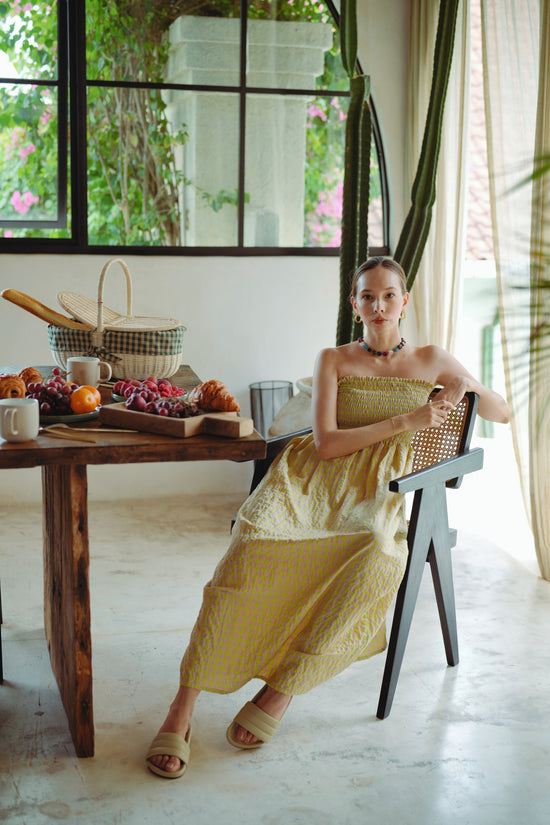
pixel 30 375
pixel 11 386
pixel 215 396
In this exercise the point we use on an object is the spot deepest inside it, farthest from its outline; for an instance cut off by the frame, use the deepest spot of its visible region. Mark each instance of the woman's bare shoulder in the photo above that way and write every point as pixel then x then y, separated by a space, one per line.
pixel 336 361
pixel 336 354
pixel 431 354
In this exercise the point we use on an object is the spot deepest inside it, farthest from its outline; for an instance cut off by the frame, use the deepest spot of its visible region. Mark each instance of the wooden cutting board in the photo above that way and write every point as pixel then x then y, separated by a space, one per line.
pixel 227 424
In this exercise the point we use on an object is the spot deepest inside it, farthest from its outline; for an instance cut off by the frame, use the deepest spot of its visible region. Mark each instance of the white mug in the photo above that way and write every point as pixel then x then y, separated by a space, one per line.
pixel 19 418
pixel 87 370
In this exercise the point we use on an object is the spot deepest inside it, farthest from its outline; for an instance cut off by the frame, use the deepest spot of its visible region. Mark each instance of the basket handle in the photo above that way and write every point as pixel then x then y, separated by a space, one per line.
pixel 100 290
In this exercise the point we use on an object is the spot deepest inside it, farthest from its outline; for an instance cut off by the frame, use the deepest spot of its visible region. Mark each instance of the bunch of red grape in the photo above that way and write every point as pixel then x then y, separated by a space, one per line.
pixel 150 386
pixel 167 407
pixel 155 397
pixel 53 395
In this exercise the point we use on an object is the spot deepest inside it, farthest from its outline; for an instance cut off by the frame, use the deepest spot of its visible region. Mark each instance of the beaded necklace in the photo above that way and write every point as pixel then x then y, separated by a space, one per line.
pixel 377 352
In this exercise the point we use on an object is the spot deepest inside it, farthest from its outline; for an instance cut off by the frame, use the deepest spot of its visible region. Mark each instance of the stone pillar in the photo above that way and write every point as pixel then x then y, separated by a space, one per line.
pixel 288 55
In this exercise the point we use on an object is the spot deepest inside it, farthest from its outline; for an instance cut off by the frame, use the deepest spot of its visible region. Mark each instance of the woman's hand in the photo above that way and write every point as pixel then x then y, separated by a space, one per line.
pixel 432 414
pixel 454 390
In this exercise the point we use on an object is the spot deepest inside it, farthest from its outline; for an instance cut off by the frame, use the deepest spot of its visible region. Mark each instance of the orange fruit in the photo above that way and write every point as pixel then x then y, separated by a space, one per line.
pixel 85 399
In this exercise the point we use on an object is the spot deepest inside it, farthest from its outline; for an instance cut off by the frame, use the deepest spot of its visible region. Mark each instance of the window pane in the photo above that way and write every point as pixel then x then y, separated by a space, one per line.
pixel 28 40
pixel 156 43
pixel 324 170
pixel 159 174
pixel 274 174
pixel 376 214
pixel 295 172
pixel 28 156
pixel 209 162
pixel 293 46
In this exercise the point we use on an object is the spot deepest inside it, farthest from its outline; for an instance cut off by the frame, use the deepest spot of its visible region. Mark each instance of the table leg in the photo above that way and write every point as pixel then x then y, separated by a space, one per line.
pixel 67 595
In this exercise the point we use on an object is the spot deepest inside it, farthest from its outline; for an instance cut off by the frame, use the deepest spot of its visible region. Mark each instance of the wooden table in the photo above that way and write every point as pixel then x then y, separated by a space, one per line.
pixel 65 535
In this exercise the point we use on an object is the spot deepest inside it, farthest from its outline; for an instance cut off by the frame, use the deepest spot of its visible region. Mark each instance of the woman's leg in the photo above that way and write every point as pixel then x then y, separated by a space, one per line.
pixel 177 721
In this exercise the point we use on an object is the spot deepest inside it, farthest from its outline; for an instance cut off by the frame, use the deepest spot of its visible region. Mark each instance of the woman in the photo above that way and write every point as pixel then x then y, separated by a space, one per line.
pixel 319 549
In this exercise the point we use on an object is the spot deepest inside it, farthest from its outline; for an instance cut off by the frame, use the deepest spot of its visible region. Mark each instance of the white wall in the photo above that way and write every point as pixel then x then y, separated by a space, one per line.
pixel 383 42
pixel 248 319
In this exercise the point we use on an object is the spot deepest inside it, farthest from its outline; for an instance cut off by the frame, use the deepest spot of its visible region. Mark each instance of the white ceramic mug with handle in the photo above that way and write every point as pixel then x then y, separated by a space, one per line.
pixel 19 419
pixel 87 370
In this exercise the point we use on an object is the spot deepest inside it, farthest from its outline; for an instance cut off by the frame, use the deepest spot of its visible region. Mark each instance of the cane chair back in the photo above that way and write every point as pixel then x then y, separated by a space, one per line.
pixel 451 438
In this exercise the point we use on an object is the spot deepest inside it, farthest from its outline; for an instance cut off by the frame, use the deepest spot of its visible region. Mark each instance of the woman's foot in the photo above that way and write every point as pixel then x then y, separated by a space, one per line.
pixel 273 703
pixel 177 721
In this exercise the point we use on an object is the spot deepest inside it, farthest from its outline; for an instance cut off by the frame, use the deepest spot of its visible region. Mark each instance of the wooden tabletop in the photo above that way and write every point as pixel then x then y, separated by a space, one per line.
pixel 113 447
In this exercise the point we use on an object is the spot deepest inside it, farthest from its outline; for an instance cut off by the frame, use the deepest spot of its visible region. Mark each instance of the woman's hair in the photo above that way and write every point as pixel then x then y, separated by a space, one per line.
pixel 372 263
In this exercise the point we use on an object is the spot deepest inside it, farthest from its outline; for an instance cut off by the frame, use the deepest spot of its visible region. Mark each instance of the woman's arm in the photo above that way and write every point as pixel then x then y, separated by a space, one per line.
pixel 456 380
pixel 332 442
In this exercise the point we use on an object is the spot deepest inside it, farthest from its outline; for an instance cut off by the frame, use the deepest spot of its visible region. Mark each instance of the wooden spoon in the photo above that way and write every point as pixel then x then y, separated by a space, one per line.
pixel 41 310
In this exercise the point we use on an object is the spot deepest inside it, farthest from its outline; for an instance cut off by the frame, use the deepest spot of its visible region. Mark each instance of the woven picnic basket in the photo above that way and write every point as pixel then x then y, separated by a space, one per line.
pixel 135 346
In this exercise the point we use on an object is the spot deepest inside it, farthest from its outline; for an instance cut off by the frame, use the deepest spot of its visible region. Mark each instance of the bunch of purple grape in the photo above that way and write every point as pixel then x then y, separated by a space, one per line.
pixel 167 407
pixel 53 396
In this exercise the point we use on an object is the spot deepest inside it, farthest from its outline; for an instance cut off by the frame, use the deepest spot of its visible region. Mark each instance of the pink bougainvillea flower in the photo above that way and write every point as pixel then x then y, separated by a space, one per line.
pixel 22 204
pixel 17 202
pixel 25 152
pixel 315 111
pixel 27 7
pixel 29 199
pixel 8 233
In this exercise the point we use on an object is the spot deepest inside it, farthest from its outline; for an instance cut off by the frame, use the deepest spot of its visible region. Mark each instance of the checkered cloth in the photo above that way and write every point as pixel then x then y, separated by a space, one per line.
pixel 157 342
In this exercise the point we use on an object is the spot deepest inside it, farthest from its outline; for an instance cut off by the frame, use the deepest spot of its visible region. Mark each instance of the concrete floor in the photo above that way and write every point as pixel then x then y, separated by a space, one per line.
pixel 466 745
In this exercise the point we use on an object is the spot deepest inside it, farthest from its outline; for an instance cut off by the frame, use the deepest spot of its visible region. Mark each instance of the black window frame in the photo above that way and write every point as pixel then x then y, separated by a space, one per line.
pixel 72 85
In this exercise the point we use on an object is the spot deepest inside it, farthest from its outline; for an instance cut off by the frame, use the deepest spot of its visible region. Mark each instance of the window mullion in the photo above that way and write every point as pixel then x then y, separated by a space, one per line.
pixel 242 122
pixel 78 108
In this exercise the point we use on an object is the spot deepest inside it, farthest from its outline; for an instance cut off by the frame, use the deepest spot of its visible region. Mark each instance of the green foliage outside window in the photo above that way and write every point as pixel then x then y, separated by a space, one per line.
pixel 133 181
pixel 28 115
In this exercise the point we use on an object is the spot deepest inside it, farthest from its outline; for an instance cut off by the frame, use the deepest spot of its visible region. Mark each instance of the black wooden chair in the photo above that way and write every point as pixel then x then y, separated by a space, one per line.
pixel 441 458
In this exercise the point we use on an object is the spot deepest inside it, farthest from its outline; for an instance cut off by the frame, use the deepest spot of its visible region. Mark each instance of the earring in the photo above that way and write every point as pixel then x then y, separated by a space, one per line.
pixel 358 319
pixel 403 315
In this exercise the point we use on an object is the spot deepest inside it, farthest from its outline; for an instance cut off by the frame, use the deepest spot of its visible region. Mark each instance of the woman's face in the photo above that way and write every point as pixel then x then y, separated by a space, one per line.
pixel 379 299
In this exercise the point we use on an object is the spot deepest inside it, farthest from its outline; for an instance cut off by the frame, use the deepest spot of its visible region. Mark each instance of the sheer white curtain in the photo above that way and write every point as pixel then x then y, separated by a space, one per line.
pixel 516 71
pixel 436 295
pixel 539 417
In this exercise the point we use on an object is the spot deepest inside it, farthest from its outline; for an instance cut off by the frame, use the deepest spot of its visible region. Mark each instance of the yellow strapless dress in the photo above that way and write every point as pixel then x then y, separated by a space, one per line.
pixel 317 554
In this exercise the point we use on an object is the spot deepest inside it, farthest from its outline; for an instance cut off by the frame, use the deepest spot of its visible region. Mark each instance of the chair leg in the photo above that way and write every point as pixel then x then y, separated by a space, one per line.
pixel 442 575
pixel 428 520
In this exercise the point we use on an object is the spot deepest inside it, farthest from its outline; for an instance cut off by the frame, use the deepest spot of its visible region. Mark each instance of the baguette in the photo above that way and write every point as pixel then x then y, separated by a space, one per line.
pixel 41 310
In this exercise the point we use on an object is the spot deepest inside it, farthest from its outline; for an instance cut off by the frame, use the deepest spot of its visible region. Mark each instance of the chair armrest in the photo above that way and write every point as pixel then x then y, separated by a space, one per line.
pixel 441 472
